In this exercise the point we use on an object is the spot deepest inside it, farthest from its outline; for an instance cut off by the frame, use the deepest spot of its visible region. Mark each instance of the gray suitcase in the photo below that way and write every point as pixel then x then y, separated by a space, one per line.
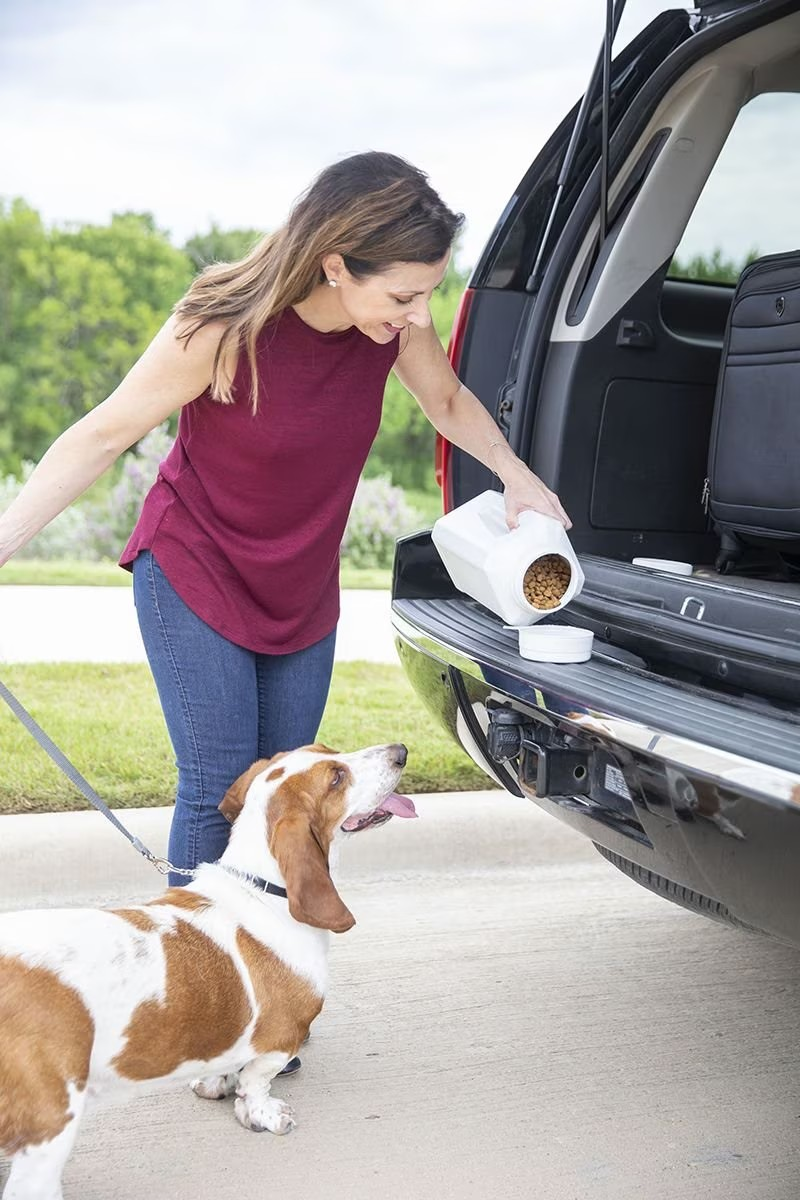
pixel 754 463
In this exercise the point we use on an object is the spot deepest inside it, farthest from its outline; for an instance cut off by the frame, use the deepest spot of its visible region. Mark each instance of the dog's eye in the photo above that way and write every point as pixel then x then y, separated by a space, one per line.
pixel 338 776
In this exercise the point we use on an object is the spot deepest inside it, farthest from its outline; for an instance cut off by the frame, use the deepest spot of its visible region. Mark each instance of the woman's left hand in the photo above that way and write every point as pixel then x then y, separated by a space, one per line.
pixel 524 490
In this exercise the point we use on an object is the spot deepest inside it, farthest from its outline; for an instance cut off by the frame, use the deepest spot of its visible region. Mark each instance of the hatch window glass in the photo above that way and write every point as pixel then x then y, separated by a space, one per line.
pixel 750 204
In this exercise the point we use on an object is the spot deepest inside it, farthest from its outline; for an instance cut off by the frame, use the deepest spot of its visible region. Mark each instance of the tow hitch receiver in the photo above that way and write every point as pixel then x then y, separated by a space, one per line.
pixel 554 771
pixel 546 762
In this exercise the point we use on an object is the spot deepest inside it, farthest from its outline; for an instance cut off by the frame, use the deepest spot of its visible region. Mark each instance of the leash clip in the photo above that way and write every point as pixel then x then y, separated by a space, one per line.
pixel 162 865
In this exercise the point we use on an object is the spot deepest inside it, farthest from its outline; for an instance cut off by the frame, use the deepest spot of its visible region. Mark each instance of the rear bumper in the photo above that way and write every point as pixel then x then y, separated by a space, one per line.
pixel 702 790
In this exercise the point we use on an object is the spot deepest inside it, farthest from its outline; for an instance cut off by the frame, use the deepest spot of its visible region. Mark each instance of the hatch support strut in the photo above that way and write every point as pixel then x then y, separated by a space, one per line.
pixel 607 43
pixel 601 68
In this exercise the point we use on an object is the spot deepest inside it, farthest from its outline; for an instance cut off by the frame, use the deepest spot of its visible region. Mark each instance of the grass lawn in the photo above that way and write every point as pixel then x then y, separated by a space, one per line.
pixel 107 720
pixel 40 572
pixel 69 573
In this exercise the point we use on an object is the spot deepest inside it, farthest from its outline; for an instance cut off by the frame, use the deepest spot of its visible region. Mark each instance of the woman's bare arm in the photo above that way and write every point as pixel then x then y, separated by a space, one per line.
pixel 170 374
pixel 459 416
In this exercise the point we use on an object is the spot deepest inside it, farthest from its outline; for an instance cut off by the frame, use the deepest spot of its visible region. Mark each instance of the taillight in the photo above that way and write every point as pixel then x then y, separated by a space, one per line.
pixel 444 449
pixel 441 469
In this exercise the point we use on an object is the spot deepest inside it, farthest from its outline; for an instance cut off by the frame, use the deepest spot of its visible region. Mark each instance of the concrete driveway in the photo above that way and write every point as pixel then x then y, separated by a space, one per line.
pixel 98 624
pixel 509 1020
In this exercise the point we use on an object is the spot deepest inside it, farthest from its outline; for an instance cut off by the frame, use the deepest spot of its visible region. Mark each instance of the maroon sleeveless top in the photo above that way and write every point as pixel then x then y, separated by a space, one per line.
pixel 247 514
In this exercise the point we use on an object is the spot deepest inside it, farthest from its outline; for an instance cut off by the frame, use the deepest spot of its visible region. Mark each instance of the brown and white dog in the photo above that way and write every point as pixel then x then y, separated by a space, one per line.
pixel 216 982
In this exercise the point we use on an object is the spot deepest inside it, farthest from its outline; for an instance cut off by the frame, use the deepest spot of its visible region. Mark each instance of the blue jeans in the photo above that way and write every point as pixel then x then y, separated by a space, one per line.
pixel 224 707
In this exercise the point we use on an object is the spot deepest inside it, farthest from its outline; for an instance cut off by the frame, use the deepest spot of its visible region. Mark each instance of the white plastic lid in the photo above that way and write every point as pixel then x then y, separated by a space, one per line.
pixel 554 643
pixel 664 564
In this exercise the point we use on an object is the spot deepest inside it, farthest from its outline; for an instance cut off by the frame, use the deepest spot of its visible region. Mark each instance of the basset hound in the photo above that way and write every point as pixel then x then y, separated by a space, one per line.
pixel 215 983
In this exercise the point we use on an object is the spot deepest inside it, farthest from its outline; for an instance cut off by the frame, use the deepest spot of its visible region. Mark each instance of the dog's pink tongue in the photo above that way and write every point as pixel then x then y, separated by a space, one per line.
pixel 399 806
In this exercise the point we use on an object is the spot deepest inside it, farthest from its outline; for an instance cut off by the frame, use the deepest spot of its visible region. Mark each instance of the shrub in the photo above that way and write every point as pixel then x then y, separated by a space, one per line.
pixel 100 528
pixel 62 538
pixel 380 515
pixel 109 522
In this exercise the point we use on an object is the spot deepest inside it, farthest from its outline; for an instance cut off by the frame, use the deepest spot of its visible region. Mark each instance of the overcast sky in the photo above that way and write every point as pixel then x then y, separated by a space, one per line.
pixel 224 111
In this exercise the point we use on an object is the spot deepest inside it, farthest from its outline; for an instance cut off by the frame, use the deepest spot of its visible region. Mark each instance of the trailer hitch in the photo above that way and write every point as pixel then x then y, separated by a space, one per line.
pixel 546 762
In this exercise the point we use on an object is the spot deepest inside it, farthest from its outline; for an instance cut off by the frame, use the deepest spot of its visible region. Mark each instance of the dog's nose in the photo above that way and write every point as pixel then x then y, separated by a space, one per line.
pixel 399 754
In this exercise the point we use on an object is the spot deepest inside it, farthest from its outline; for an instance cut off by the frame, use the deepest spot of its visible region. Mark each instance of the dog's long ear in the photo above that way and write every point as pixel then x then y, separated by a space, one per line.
pixel 312 897
pixel 233 800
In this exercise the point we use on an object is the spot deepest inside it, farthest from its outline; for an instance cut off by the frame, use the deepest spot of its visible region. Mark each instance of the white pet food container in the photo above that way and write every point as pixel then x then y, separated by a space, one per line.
pixel 555 643
pixel 664 564
pixel 520 574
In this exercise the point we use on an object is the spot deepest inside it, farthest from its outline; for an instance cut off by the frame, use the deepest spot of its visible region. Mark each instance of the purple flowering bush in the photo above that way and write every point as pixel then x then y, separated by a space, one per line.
pixel 109 522
pixel 380 514
pixel 99 527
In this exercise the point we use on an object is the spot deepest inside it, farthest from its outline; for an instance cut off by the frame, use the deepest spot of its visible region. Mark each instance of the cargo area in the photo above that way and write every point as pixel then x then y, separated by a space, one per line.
pixel 734 635
pixel 617 679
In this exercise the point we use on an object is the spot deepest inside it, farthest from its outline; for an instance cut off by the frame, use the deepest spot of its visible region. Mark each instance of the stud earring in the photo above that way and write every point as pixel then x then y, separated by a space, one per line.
pixel 331 283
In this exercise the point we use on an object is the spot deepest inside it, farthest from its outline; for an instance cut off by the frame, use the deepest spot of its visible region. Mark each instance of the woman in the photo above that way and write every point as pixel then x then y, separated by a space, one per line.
pixel 278 365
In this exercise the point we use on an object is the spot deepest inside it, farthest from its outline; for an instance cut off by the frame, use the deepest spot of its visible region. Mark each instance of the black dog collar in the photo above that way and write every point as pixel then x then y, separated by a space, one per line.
pixel 263 885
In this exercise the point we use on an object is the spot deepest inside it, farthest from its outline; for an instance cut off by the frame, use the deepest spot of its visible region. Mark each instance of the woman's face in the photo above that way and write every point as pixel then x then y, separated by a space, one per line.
pixel 381 306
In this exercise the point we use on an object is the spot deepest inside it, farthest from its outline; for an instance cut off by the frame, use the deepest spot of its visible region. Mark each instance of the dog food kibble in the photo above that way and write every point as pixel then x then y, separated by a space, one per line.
pixel 546 580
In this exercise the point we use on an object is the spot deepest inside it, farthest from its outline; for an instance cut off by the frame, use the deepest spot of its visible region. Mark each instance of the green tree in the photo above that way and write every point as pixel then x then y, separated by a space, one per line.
pixel 23 244
pixel 80 306
pixel 151 272
pixel 220 245
pixel 714 268
pixel 404 446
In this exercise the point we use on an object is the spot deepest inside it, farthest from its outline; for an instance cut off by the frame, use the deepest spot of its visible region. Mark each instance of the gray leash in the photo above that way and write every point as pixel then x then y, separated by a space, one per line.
pixel 86 789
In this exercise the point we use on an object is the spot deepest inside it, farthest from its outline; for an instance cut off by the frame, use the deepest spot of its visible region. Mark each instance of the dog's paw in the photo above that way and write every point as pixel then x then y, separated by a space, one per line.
pixel 269 1113
pixel 214 1087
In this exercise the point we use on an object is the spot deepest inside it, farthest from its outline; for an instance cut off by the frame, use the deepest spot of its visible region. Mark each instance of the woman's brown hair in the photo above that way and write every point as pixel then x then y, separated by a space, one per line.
pixel 374 209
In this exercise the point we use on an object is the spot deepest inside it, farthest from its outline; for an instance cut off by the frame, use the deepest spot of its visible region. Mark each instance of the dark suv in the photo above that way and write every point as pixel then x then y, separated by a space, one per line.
pixel 676 749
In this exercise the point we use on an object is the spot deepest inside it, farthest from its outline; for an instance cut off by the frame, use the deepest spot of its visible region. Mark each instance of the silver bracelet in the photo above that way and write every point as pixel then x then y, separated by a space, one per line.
pixel 491 447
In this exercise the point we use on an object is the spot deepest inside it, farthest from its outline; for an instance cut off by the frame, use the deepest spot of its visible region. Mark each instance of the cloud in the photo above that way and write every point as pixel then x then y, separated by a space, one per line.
pixel 225 111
